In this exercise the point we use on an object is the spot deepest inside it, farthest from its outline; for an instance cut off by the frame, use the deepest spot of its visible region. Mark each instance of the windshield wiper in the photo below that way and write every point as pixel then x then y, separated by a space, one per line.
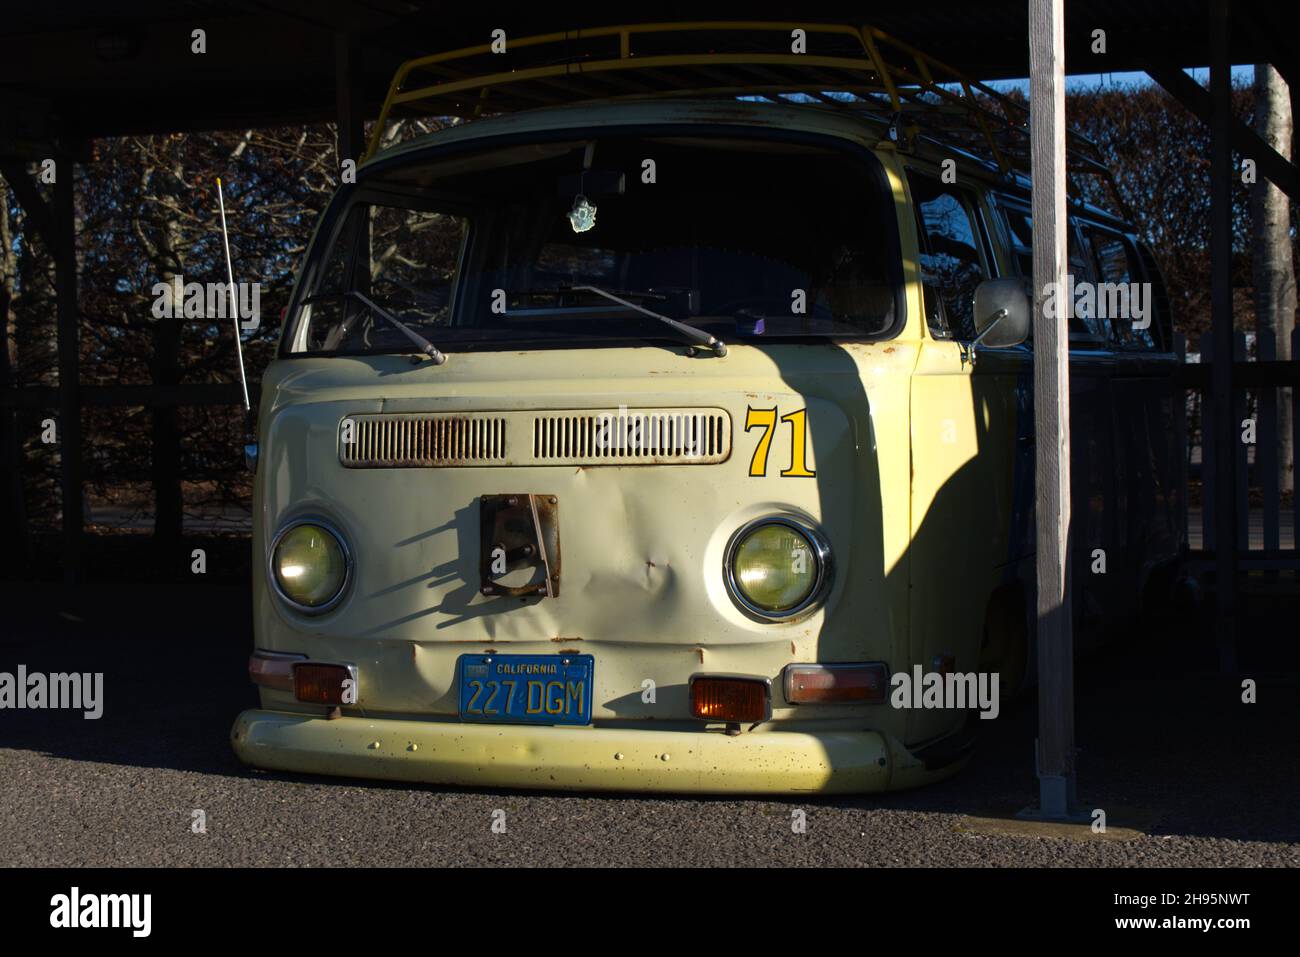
pixel 698 336
pixel 423 344
pixel 563 288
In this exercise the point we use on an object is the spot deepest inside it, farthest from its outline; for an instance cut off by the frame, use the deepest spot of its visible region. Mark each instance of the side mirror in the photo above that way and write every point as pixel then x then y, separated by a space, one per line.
pixel 1001 313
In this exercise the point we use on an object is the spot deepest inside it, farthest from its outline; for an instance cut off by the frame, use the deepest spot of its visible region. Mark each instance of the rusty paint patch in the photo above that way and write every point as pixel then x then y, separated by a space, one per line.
pixel 559 638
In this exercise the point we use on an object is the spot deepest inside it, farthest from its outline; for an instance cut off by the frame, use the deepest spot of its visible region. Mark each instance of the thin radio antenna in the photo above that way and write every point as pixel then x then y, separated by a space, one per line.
pixel 234 302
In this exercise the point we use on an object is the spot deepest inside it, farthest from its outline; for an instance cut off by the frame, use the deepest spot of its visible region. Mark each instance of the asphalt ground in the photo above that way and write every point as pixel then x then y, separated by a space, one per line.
pixel 1166 746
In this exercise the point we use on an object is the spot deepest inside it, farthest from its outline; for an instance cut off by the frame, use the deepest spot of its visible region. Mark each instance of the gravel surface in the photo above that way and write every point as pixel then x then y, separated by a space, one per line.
pixel 1210 781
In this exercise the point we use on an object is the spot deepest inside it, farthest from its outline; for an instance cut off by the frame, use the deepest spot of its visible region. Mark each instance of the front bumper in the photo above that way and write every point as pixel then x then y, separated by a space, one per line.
pixel 586 758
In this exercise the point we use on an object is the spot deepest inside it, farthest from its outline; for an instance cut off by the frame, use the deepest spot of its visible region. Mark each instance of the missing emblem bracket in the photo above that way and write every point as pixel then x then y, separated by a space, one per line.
pixel 519 531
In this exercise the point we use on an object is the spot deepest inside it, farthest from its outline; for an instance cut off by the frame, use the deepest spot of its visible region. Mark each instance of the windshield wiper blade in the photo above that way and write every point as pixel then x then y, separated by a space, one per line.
pixel 424 345
pixel 698 336
pixel 561 289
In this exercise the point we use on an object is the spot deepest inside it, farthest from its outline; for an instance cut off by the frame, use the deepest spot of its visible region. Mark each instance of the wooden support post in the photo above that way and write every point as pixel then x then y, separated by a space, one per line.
pixel 1047 133
pixel 165 443
pixel 1267 443
pixel 1209 458
pixel 1226 438
pixel 1294 393
pixel 347 90
pixel 164 429
pixel 1183 445
pixel 1241 451
pixel 64 229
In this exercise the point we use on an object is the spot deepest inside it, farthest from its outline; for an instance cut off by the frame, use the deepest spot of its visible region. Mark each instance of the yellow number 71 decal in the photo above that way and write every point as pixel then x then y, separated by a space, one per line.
pixel 765 419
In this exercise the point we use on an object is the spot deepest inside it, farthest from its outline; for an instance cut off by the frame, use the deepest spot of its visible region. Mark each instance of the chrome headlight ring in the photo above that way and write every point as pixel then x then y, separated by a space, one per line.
pixel 344 549
pixel 821 583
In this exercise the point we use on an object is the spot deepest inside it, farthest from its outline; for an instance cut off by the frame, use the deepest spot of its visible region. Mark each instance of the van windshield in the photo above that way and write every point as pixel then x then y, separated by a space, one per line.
pixel 745 239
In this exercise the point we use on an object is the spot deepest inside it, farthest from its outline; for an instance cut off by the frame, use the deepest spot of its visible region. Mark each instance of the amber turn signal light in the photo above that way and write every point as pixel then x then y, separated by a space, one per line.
pixel 273 669
pixel 322 684
pixel 729 698
pixel 837 684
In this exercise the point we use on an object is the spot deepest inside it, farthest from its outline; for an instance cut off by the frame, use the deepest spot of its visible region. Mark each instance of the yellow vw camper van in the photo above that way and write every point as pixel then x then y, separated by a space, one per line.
pixel 640 428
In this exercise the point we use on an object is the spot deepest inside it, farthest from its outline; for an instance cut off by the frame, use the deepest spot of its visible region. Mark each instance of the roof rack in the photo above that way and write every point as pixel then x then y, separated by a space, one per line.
pixel 857 69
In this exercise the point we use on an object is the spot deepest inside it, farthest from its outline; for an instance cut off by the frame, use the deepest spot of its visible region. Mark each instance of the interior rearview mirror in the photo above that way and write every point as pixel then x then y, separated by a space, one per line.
pixel 1001 313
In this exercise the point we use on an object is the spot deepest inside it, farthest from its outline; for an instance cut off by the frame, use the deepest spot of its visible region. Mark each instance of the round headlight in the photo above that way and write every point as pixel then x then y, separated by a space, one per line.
pixel 310 566
pixel 777 568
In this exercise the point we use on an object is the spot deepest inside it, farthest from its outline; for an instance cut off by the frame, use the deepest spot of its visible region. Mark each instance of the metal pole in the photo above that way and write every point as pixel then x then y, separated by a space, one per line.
pixel 1051 409
pixel 69 347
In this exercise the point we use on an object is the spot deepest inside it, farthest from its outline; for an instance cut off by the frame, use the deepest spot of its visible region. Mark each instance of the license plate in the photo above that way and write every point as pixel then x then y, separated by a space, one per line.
pixel 525 689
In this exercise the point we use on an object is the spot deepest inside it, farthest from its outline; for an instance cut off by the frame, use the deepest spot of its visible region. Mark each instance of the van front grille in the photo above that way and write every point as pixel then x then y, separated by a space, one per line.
pixel 565 437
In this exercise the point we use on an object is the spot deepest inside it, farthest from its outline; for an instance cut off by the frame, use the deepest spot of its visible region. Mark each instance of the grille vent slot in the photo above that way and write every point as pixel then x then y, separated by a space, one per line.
pixel 413 441
pixel 648 436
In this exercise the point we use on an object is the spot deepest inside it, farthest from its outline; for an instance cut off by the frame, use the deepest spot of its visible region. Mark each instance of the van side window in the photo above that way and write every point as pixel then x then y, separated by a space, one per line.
pixel 1118 268
pixel 1019 223
pixel 951 262
pixel 1161 312
pixel 1020 231
pixel 1088 321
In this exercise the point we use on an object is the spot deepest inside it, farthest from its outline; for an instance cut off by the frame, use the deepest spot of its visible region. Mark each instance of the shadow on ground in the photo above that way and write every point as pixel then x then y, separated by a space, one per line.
pixel 1160 729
